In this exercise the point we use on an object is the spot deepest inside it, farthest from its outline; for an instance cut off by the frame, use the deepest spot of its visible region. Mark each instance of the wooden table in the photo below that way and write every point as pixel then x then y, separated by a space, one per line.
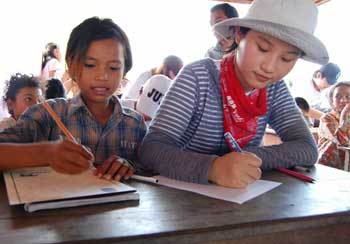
pixel 295 212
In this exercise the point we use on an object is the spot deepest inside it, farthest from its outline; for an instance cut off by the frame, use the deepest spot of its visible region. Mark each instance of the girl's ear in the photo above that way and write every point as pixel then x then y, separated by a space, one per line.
pixel 10 106
pixel 238 35
pixel 72 69
pixel 318 75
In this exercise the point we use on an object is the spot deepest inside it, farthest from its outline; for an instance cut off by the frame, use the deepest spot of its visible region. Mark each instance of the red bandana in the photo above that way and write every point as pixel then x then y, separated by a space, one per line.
pixel 240 111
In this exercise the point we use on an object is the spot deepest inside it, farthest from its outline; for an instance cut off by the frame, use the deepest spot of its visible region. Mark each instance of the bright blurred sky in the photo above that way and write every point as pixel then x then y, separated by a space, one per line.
pixel 156 28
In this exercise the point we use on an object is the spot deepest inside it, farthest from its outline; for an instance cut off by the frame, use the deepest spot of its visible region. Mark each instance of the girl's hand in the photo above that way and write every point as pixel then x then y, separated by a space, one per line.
pixel 114 168
pixel 344 120
pixel 235 170
pixel 69 158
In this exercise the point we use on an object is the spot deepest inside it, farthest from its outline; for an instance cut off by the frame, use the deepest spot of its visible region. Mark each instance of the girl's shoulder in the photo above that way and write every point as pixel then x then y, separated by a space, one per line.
pixel 278 88
pixel 206 67
pixel 205 62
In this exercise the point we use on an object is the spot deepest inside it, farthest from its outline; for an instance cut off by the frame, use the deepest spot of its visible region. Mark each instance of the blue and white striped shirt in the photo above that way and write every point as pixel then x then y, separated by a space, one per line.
pixel 187 133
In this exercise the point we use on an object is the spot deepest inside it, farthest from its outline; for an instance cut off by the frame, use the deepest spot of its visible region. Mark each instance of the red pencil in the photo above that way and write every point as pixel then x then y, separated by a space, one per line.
pixel 298 175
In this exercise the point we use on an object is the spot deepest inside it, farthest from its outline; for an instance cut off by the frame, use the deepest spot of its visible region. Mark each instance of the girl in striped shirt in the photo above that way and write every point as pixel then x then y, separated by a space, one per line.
pixel 238 97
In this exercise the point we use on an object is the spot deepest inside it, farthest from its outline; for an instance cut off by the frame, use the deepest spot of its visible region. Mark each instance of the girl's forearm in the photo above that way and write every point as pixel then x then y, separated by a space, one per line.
pixel 18 155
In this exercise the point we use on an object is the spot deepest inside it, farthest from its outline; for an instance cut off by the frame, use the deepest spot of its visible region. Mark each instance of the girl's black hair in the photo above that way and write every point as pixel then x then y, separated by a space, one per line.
pixel 302 104
pixel 243 30
pixel 54 89
pixel 17 82
pixel 94 29
pixel 229 10
pixel 172 63
pixel 48 53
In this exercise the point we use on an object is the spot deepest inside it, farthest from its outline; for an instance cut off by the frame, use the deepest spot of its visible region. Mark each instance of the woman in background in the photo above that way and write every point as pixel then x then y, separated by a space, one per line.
pixel 51 66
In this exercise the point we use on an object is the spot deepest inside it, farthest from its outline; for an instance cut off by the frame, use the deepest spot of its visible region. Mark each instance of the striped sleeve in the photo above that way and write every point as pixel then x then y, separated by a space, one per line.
pixel 163 146
pixel 298 147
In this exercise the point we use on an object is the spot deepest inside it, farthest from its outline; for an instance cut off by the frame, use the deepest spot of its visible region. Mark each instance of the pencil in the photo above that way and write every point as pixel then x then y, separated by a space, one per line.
pixel 295 174
pixel 144 178
pixel 59 122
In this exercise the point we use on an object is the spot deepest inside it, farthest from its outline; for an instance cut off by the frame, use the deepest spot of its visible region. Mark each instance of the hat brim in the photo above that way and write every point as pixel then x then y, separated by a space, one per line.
pixel 313 49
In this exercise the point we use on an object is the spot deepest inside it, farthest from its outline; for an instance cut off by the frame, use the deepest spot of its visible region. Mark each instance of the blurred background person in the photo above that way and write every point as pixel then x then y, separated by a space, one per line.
pixel 51 66
pixel 21 91
pixel 334 128
pixel 170 66
pixel 122 85
pixel 54 89
pixel 219 13
pixel 304 108
pixel 317 89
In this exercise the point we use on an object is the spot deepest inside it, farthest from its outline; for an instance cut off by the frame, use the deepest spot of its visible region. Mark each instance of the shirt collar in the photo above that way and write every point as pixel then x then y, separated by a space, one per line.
pixel 77 103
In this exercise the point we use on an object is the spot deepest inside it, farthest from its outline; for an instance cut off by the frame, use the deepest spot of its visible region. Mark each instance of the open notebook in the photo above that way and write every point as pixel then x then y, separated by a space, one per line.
pixel 43 188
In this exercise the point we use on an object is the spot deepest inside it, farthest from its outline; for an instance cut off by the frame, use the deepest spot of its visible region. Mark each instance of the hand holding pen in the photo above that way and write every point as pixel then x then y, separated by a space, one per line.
pixel 67 156
pixel 236 170
pixel 235 147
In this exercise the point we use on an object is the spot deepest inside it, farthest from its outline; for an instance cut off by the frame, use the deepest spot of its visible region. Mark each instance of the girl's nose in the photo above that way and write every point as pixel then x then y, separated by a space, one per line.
pixel 268 64
pixel 102 75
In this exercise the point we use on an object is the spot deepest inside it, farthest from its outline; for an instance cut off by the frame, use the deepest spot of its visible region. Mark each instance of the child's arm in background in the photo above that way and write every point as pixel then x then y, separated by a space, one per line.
pixel 63 156
pixel 315 114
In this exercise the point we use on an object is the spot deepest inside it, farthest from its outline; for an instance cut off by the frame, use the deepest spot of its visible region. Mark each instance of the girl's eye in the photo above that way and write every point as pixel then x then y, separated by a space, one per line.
pixel 89 65
pixel 287 60
pixel 28 99
pixel 262 49
pixel 115 68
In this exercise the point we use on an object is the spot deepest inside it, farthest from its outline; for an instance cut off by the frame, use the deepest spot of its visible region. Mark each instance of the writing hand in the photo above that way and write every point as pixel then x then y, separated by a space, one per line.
pixel 68 157
pixel 235 170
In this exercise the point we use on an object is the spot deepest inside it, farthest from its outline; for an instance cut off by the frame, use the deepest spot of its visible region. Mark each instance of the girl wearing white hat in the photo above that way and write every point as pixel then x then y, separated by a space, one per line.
pixel 238 97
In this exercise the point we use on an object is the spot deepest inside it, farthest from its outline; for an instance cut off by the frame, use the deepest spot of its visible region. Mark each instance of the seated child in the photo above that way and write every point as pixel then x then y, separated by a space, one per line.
pixel 304 108
pixel 335 127
pixel 21 91
pixel 54 89
pixel 98 56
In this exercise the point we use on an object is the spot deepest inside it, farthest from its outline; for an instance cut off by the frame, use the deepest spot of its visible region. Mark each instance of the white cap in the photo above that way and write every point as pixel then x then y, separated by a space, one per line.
pixel 152 94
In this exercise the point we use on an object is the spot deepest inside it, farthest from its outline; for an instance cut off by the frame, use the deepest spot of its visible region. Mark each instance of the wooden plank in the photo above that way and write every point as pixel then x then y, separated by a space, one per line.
pixel 318 2
pixel 295 212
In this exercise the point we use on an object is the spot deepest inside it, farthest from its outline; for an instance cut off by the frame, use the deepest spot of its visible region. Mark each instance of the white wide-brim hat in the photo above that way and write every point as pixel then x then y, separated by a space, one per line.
pixel 292 21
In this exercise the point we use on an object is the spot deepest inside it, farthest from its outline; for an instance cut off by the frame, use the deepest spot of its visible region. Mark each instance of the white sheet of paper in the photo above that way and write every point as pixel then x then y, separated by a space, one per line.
pixel 224 193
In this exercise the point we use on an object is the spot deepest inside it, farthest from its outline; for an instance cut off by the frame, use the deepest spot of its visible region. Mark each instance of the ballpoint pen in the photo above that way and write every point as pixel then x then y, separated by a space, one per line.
pixel 235 147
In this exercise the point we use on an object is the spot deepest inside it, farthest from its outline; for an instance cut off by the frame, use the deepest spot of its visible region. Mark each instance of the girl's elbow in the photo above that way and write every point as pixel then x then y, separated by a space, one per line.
pixel 313 152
